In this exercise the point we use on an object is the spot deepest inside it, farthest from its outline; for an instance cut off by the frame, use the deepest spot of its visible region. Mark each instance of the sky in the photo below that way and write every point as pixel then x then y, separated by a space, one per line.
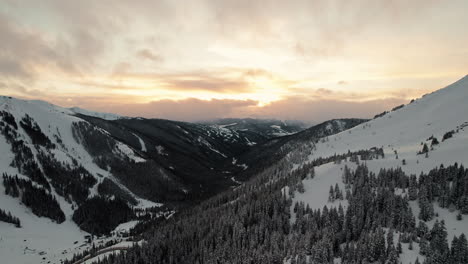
pixel 308 60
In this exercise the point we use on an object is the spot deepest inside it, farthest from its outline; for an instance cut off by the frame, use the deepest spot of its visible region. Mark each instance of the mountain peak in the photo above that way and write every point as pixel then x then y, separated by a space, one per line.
pixel 107 116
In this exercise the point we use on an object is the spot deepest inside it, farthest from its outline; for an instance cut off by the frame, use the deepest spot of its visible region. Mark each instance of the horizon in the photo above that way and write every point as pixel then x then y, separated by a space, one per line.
pixel 303 60
pixel 307 123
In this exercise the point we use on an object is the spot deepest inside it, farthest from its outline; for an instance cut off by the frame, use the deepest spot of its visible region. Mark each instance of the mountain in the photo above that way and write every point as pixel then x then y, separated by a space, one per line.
pixel 264 128
pixel 84 172
pixel 273 150
pixel 80 172
pixel 107 116
pixel 385 190
pixel 390 190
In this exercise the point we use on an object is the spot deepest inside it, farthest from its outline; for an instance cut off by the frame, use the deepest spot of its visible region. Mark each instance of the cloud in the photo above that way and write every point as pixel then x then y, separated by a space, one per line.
pixel 207 84
pixel 222 80
pixel 192 109
pixel 325 109
pixel 111 50
pixel 25 51
pixel 149 55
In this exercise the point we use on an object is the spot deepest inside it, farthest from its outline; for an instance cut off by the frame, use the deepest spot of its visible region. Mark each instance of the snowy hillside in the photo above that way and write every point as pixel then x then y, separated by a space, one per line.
pixel 70 172
pixel 403 130
pixel 438 120
pixel 45 131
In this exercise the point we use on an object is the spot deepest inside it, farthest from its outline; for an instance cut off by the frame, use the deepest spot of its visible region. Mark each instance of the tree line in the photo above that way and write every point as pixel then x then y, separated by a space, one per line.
pixel 39 200
pixel 7 217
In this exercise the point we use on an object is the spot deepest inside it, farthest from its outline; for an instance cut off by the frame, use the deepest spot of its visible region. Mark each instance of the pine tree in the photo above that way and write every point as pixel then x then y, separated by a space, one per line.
pixel 392 256
pixel 300 187
pixel 459 250
pixel 413 188
pixel 425 149
pixel 9 218
pixel 426 212
pixel 439 250
pixel 331 194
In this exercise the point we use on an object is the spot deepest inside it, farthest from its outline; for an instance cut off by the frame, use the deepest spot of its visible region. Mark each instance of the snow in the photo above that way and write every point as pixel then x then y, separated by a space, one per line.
pixel 317 188
pixel 160 150
pixel 124 244
pixel 402 131
pixel 125 150
pixel 125 227
pixel 107 116
pixel 206 143
pixel 409 256
pixel 40 237
pixel 454 227
pixel 235 181
pixel 243 166
pixel 142 143
pixel 37 234
pixel 143 203
pixel 405 129
pixel 228 135
pixel 250 143
pixel 101 257
pixel 227 125
pixel 281 131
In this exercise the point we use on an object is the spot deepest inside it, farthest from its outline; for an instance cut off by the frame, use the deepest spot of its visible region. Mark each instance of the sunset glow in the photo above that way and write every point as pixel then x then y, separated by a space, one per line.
pixel 231 58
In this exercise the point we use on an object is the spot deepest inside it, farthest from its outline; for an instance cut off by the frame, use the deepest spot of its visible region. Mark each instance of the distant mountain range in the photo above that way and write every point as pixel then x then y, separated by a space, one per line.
pixel 267 128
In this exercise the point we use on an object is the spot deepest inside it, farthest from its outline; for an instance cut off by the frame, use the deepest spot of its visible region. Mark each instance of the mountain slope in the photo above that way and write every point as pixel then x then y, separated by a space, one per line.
pixel 53 157
pixel 403 130
pixel 80 172
pixel 438 120
pixel 107 116
pixel 266 154
pixel 370 194
pixel 196 154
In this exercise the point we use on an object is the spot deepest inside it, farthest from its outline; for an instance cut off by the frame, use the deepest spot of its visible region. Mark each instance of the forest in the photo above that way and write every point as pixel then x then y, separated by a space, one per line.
pixel 253 223
pixel 41 202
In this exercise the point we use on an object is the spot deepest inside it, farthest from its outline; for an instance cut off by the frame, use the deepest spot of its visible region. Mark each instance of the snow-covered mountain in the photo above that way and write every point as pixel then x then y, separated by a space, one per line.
pixel 82 172
pixel 390 190
pixel 107 116
pixel 265 128
pixel 55 161
pixel 42 145
pixel 398 176
pixel 438 120
pixel 273 150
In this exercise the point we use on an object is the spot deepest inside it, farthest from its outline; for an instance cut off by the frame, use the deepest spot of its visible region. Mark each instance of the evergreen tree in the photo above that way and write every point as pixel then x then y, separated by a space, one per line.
pixel 8 218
